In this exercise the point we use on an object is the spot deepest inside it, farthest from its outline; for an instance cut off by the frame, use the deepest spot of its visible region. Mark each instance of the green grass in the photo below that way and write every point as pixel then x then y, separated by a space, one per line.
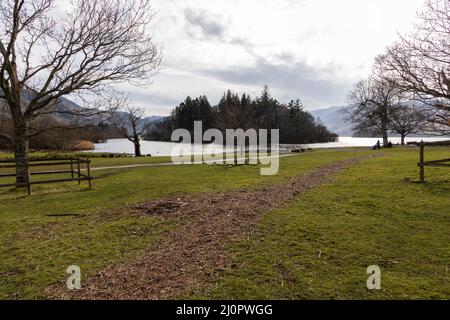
pixel 372 214
pixel 39 240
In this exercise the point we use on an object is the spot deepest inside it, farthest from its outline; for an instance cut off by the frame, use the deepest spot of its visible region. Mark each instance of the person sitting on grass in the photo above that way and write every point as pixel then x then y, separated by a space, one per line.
pixel 377 146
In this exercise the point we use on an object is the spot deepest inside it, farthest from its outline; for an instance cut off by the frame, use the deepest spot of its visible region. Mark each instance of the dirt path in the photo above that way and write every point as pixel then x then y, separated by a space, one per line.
pixel 196 250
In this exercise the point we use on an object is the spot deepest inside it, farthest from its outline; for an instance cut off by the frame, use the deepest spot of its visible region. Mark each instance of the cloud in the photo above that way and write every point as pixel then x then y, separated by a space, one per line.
pixel 289 81
pixel 209 25
pixel 311 49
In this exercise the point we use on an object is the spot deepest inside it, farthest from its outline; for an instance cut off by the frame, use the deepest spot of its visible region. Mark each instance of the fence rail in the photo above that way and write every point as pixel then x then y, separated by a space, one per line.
pixel 434 163
pixel 75 171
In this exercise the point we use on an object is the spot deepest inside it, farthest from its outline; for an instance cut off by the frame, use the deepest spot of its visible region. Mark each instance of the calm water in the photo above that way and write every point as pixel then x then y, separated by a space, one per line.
pixel 156 148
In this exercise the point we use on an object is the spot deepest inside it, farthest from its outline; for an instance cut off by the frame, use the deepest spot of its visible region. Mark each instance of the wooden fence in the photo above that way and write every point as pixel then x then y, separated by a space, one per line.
pixel 74 169
pixel 435 163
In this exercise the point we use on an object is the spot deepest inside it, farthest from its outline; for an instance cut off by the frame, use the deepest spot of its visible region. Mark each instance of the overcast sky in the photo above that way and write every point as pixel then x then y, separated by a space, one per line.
pixel 308 49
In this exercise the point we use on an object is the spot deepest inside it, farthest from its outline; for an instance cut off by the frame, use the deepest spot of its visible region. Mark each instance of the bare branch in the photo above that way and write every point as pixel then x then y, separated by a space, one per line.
pixel 420 61
pixel 88 48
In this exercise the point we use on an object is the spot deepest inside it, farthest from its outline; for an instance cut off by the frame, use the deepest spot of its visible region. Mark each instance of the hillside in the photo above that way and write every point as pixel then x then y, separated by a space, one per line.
pixel 333 119
pixel 65 106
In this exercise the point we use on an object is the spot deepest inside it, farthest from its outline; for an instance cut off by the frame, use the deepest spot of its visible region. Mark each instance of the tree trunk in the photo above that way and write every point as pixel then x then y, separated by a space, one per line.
pixel 21 154
pixel 384 134
pixel 137 148
pixel 403 139
pixel 384 126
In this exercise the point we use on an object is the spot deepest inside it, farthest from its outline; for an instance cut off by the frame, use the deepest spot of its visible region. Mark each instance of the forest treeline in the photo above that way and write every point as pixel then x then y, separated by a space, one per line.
pixel 236 111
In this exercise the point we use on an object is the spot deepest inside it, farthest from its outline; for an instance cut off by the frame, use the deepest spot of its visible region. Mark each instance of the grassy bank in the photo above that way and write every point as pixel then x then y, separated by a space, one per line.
pixel 320 246
pixel 66 224
pixel 98 159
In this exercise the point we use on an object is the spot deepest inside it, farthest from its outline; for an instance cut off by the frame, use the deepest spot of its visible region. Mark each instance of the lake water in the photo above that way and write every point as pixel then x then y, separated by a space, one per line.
pixel 156 148
pixel 369 142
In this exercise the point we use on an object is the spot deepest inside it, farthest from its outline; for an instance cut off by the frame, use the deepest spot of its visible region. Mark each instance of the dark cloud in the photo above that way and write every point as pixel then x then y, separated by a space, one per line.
pixel 298 80
pixel 210 26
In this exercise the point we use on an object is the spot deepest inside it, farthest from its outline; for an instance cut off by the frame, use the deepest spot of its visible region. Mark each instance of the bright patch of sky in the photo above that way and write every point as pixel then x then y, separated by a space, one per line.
pixel 314 50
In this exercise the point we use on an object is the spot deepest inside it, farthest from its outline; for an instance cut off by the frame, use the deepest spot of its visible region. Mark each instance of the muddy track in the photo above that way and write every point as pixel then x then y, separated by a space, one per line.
pixel 196 250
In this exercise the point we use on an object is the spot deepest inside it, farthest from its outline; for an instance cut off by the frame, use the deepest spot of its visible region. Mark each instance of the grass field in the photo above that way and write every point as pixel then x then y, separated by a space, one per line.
pixel 320 246
pixel 372 214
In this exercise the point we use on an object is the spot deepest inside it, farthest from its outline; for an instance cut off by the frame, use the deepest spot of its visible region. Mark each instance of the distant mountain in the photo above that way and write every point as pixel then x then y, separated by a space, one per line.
pixel 151 119
pixel 144 123
pixel 334 119
pixel 64 106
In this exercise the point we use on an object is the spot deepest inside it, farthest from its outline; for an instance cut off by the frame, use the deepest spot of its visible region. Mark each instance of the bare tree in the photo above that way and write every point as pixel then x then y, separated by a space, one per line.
pixel 407 120
pixel 372 102
pixel 420 62
pixel 90 46
pixel 130 127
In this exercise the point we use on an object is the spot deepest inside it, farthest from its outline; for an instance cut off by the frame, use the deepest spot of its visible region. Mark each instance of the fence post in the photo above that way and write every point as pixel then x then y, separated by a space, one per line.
pixel 422 160
pixel 89 172
pixel 79 170
pixel 71 168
